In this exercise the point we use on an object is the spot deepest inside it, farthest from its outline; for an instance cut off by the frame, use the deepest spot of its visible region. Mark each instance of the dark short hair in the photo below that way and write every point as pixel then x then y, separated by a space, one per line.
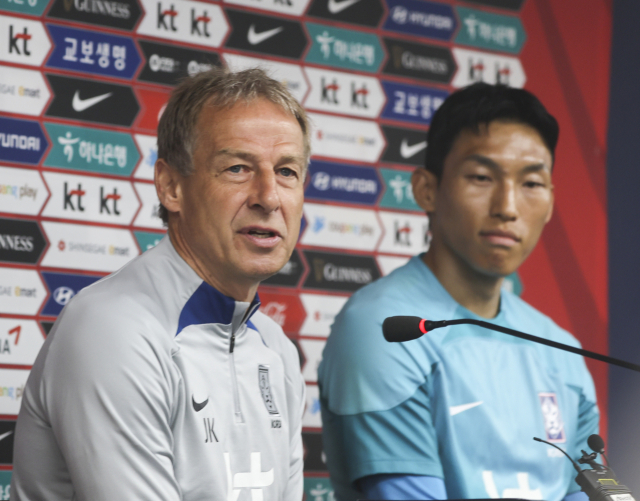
pixel 480 104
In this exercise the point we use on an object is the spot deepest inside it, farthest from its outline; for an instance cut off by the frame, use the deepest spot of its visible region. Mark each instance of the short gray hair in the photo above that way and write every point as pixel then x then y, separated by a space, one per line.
pixel 219 88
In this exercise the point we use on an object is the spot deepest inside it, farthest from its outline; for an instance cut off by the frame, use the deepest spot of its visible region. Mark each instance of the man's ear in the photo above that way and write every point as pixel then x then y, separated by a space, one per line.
pixel 425 188
pixel 166 179
pixel 548 218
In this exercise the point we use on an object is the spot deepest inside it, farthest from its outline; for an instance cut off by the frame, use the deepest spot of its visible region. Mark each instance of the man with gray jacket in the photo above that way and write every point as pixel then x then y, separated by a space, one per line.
pixel 163 381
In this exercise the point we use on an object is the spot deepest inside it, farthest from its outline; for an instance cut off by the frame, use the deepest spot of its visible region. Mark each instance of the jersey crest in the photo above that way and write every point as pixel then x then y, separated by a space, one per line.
pixel 553 424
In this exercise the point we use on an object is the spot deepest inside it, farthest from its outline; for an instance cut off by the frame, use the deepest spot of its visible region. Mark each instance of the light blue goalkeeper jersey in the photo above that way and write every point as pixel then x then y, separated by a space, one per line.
pixel 461 403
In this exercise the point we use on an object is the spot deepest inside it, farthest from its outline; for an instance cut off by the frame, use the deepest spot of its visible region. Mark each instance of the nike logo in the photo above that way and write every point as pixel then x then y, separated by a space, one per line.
pixel 256 38
pixel 5 435
pixel 199 406
pixel 407 151
pixel 337 6
pixel 457 409
pixel 84 104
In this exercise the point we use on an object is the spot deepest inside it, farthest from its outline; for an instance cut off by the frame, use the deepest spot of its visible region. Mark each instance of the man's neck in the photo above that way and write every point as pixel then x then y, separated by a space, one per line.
pixel 477 292
pixel 228 287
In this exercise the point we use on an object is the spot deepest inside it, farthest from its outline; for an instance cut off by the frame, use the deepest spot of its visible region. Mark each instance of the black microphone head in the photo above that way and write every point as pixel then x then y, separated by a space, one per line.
pixel 596 443
pixel 399 329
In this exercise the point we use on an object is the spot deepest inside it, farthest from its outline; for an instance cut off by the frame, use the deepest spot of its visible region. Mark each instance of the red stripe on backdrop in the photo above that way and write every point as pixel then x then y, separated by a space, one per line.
pixel 567 62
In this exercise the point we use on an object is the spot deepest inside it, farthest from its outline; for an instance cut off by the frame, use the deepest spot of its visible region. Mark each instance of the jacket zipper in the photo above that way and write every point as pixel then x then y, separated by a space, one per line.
pixel 234 382
pixel 237 411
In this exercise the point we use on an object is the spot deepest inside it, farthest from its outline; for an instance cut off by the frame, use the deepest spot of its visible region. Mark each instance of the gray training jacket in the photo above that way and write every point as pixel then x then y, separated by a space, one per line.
pixel 152 385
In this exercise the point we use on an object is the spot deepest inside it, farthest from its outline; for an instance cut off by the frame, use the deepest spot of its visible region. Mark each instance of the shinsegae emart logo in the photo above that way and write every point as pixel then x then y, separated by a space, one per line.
pixel 93 150
pixel 344 48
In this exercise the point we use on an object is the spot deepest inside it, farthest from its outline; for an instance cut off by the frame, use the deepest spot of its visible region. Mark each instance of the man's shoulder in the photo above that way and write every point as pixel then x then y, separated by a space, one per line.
pixel 147 294
pixel 275 338
pixel 523 316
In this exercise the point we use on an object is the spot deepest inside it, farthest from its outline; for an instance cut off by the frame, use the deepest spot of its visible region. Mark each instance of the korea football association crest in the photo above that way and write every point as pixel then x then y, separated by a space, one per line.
pixel 553 424
pixel 265 390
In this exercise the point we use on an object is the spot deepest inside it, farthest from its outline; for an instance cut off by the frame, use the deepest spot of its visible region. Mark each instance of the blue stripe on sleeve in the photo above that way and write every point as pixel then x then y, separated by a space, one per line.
pixel 399 487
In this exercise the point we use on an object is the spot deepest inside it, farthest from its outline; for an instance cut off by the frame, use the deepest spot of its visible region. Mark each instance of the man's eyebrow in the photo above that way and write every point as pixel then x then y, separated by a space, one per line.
pixel 487 162
pixel 244 155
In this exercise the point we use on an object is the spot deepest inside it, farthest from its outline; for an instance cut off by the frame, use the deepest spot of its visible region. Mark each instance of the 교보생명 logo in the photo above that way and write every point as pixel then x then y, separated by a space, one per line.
pixel 411 103
pixel 265 34
pixel 344 48
pixel 121 14
pixel 185 21
pixel 93 52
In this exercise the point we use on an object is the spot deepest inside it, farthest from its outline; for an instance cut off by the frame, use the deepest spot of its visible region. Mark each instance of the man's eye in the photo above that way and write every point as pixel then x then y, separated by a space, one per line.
pixel 288 172
pixel 480 177
pixel 236 169
pixel 533 184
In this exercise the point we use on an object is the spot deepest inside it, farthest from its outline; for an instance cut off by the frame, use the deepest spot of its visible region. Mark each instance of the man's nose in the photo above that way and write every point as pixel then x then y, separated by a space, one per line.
pixel 264 192
pixel 503 202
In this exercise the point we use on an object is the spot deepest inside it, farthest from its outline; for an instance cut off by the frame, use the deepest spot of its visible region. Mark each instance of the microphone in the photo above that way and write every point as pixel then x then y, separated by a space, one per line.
pixel 596 444
pixel 399 329
pixel 599 483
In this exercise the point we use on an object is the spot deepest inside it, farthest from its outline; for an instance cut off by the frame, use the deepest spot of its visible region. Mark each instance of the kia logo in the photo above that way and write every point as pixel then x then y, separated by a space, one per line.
pixel 62 295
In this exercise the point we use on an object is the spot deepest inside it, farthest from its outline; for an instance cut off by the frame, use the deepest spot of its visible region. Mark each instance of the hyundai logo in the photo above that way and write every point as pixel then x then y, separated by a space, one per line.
pixel 62 295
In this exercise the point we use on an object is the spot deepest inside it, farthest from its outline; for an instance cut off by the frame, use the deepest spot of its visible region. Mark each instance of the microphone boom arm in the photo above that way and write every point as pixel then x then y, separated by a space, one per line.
pixel 430 325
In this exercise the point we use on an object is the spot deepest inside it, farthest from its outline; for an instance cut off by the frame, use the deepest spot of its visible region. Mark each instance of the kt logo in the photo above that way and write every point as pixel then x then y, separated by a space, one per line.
pixel 330 92
pixel 104 201
pixel 14 42
pixel 359 96
pixel 167 15
pixel 78 193
pixel 195 23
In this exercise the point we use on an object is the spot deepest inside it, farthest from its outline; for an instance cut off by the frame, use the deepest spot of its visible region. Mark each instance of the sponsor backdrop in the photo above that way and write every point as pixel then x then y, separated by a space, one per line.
pixel 84 82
